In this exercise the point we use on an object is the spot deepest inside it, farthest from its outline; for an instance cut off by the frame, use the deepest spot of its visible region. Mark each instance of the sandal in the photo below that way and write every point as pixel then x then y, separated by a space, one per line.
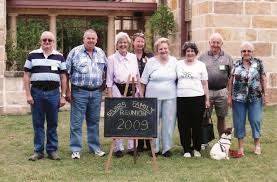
pixel 258 150
pixel 236 154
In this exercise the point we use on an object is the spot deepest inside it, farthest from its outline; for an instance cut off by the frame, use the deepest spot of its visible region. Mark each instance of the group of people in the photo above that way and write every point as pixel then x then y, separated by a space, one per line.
pixel 183 89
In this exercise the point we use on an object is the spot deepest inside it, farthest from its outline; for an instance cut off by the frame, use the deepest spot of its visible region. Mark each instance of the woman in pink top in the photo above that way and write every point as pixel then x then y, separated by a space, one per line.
pixel 121 64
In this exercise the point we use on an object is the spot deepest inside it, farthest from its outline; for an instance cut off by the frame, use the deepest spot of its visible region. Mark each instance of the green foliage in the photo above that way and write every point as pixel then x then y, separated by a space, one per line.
pixel 15 56
pixel 162 21
pixel 28 34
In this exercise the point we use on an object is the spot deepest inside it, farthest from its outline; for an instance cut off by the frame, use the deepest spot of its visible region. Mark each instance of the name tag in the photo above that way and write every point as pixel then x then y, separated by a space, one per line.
pixel 221 67
pixel 83 59
pixel 254 65
pixel 54 68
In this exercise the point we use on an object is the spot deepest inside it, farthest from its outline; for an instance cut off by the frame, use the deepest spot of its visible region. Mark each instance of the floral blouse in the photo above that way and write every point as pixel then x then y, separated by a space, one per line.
pixel 247 85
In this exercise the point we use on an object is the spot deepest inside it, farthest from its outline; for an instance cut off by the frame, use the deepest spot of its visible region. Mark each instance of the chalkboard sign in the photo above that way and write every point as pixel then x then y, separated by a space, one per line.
pixel 130 117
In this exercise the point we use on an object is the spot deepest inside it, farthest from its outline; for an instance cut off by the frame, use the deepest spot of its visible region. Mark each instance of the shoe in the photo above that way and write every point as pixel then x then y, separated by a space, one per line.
pixel 258 150
pixel 100 153
pixel 167 154
pixel 235 154
pixel 196 153
pixel 36 156
pixel 187 155
pixel 132 153
pixel 54 156
pixel 140 149
pixel 204 146
pixel 75 155
pixel 119 154
pixel 156 154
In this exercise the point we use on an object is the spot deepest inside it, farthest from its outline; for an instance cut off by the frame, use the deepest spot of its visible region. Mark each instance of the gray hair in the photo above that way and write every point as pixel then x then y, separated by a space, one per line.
pixel 89 31
pixel 216 35
pixel 246 44
pixel 122 35
pixel 45 33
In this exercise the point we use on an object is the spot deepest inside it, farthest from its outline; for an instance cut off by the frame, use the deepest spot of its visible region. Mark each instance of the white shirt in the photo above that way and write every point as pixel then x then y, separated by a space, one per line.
pixel 190 77
pixel 160 78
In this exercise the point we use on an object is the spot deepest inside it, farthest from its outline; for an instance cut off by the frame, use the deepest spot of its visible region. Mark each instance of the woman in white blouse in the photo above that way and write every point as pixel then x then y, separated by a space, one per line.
pixel 158 80
pixel 192 98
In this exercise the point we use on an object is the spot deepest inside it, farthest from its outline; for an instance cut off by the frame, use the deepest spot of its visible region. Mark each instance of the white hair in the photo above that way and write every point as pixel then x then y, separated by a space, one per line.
pixel 122 35
pixel 245 44
pixel 216 35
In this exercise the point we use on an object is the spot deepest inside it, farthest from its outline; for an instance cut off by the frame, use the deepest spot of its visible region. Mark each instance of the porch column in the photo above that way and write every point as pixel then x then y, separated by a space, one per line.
pixel 12 27
pixel 53 26
pixel 111 35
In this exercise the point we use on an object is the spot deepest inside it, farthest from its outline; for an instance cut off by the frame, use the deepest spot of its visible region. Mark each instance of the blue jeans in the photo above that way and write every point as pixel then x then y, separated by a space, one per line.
pixel 254 111
pixel 46 105
pixel 85 105
pixel 167 117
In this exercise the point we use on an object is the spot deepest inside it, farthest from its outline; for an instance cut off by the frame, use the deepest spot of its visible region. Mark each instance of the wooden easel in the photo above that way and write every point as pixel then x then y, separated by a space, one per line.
pixel 135 139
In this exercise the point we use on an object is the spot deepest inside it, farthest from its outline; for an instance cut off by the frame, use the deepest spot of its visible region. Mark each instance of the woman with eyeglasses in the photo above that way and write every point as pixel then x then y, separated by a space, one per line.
pixel 142 58
pixel 158 80
pixel 247 97
pixel 121 64
pixel 192 99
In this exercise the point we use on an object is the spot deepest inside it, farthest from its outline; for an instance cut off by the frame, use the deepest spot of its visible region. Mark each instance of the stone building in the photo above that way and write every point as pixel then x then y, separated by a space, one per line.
pixel 239 20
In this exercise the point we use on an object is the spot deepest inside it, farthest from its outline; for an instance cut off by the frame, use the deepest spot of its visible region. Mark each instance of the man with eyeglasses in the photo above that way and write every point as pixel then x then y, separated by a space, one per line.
pixel 45 72
pixel 86 66
pixel 219 65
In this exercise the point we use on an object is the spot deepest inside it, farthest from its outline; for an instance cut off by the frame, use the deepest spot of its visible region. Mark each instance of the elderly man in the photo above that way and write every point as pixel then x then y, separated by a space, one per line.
pixel 86 65
pixel 44 70
pixel 219 65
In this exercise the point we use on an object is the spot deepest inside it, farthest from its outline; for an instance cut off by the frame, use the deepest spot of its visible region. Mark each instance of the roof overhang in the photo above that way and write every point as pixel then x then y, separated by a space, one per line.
pixel 82 5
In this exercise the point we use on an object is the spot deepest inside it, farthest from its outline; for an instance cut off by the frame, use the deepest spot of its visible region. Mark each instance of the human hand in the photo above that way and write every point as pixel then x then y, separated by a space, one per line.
pixel 30 100
pixel 68 96
pixel 62 101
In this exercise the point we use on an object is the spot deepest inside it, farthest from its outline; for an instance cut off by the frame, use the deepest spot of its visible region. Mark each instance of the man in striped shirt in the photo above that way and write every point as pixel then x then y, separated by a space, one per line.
pixel 86 65
pixel 44 73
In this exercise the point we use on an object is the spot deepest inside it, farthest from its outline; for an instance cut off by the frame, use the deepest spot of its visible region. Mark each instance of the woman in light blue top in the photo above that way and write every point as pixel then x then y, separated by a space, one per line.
pixel 158 80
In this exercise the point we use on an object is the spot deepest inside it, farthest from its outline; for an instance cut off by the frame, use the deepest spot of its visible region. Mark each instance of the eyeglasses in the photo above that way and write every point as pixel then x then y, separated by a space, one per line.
pixel 244 51
pixel 45 40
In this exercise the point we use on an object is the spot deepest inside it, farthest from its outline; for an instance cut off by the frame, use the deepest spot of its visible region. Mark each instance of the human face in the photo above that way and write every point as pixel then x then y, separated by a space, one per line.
pixel 47 41
pixel 90 40
pixel 246 53
pixel 190 55
pixel 139 43
pixel 163 51
pixel 122 46
pixel 215 45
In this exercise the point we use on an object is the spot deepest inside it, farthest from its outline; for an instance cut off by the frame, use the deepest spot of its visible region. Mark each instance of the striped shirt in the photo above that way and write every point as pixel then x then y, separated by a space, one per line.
pixel 43 68
pixel 86 71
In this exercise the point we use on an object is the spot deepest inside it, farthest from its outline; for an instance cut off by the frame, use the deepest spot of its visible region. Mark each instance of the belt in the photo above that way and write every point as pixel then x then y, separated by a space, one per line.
pixel 85 88
pixel 45 87
pixel 215 89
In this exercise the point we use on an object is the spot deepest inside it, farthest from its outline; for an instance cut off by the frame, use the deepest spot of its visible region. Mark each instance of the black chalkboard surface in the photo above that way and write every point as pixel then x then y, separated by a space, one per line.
pixel 130 117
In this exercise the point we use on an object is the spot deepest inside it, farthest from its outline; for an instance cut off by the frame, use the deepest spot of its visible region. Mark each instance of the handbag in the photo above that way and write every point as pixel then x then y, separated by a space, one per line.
pixel 207 128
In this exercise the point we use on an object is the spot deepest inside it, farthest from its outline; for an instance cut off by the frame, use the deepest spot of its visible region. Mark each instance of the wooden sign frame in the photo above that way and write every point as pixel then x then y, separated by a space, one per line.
pixel 135 139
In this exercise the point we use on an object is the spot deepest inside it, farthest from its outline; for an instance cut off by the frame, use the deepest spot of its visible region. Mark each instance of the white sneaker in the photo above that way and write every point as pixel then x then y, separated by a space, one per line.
pixel 100 153
pixel 204 146
pixel 196 153
pixel 187 155
pixel 75 155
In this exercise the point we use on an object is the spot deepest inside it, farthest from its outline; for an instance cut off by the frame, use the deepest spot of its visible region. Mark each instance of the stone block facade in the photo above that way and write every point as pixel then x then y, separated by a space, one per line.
pixel 238 21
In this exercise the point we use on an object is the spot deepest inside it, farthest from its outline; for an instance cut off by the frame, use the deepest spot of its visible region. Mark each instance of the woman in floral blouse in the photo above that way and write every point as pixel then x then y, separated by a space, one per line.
pixel 247 97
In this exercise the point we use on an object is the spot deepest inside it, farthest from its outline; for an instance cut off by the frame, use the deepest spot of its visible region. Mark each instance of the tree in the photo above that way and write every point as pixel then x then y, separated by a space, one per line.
pixel 162 21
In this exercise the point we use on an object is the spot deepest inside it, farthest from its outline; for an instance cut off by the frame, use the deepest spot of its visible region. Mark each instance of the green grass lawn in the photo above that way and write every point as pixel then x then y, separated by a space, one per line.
pixel 16 142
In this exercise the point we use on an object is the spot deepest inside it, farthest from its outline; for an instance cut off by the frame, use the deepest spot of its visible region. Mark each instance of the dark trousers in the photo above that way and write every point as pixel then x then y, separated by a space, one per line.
pixel 190 112
pixel 141 145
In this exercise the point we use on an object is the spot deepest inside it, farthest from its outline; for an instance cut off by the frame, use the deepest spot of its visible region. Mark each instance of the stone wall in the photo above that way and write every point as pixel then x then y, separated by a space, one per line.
pixel 237 21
